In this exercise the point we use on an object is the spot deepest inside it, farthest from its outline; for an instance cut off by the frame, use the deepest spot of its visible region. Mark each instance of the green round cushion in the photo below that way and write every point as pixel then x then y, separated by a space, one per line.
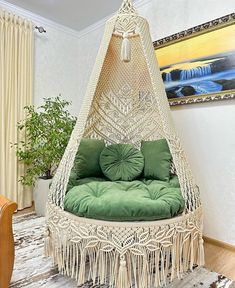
pixel 121 162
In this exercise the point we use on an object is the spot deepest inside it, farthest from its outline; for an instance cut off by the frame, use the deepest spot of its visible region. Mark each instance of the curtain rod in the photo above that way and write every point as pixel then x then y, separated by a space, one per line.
pixel 40 29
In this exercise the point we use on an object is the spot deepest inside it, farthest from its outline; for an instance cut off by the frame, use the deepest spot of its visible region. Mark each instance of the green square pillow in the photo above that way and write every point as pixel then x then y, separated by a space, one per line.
pixel 157 157
pixel 86 162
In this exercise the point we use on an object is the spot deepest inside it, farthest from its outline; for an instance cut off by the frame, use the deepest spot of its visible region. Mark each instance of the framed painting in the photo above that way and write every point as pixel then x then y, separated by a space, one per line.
pixel 198 64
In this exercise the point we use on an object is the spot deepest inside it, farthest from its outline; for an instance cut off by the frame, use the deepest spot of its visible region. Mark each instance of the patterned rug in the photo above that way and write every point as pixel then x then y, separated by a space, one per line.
pixel 33 270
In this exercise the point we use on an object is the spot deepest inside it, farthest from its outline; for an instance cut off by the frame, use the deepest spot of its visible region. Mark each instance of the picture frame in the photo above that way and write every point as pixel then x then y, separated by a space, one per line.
pixel 198 64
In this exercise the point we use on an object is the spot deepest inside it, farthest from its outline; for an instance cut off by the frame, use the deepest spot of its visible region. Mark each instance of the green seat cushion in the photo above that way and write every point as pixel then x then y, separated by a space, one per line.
pixel 121 162
pixel 86 162
pixel 74 181
pixel 174 181
pixel 144 200
pixel 157 157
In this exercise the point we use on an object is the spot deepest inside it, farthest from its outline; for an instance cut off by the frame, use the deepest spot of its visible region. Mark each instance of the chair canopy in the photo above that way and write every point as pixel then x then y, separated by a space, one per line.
pixel 126 102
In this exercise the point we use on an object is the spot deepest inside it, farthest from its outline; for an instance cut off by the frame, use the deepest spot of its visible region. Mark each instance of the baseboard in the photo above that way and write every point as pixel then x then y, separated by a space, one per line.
pixel 27 210
pixel 219 243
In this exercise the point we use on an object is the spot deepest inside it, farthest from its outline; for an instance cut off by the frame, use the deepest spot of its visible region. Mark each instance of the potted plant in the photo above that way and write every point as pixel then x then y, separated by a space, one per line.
pixel 47 131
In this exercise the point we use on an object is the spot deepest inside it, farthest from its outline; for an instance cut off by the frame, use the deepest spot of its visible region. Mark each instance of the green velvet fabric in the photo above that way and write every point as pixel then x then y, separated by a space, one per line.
pixel 144 200
pixel 121 162
pixel 157 157
pixel 86 162
pixel 174 181
pixel 74 181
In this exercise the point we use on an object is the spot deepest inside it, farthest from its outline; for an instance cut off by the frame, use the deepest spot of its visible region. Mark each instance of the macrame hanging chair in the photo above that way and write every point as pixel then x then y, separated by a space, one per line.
pixel 125 102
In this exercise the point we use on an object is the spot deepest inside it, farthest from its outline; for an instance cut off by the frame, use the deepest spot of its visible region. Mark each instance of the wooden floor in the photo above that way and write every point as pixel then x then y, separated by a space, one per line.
pixel 220 260
pixel 25 211
pixel 217 259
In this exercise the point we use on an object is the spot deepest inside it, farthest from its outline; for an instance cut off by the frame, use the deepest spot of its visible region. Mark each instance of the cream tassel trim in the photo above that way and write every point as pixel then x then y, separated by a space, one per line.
pixel 122 281
pixel 169 252
pixel 126 49
pixel 47 246
pixel 201 252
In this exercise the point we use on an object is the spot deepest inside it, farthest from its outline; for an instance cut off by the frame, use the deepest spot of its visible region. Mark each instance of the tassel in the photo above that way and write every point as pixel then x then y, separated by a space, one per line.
pixel 126 49
pixel 201 252
pixel 47 248
pixel 122 281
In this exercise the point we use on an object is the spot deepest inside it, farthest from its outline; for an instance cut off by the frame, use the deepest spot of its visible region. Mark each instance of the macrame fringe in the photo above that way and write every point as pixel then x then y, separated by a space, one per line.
pixel 154 268
pixel 126 49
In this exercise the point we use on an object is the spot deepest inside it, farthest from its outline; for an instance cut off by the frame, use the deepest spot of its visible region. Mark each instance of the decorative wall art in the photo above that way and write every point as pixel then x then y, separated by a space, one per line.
pixel 198 64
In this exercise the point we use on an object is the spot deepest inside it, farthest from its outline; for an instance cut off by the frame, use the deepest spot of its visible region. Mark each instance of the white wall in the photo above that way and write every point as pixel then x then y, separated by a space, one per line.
pixel 56 59
pixel 207 130
pixel 56 66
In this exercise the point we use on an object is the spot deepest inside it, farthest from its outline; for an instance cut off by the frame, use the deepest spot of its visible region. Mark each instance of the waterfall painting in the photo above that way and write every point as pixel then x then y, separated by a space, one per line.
pixel 198 65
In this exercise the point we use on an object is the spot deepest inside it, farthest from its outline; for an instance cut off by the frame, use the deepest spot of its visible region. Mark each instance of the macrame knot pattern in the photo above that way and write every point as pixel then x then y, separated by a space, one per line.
pixel 127 7
pixel 125 103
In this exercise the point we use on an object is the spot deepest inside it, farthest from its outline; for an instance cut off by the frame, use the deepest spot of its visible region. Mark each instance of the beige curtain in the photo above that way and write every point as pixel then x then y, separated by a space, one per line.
pixel 16 91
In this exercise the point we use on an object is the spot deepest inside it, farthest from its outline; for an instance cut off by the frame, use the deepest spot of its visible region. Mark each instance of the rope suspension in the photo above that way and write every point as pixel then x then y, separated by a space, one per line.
pixel 127 7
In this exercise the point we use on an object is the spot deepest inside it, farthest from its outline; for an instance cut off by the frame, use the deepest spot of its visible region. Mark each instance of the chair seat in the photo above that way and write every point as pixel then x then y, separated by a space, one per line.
pixel 139 200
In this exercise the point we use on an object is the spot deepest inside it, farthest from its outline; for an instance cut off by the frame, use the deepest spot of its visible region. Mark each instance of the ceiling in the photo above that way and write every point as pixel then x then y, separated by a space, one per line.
pixel 76 14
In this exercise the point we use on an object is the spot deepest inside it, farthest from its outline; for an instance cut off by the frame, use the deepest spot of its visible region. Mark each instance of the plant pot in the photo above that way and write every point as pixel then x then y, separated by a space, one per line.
pixel 40 195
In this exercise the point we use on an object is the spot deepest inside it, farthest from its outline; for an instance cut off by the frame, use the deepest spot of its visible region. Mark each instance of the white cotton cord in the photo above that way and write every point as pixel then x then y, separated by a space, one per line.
pixel 126 48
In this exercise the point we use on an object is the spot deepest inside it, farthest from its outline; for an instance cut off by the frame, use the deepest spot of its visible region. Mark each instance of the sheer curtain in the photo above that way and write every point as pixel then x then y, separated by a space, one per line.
pixel 16 91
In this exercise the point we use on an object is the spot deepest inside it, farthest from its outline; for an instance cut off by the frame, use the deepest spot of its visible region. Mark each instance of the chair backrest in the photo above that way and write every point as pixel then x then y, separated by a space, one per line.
pixel 126 101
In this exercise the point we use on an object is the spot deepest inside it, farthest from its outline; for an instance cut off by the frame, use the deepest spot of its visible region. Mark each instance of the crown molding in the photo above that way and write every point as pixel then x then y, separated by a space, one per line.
pixel 36 19
pixel 39 20
pixel 101 23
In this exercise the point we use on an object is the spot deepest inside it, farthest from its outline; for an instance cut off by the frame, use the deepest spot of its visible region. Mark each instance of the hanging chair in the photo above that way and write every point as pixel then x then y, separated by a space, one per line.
pixel 125 102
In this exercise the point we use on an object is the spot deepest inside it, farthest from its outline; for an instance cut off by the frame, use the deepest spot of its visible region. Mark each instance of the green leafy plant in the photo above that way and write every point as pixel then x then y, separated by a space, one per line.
pixel 47 131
